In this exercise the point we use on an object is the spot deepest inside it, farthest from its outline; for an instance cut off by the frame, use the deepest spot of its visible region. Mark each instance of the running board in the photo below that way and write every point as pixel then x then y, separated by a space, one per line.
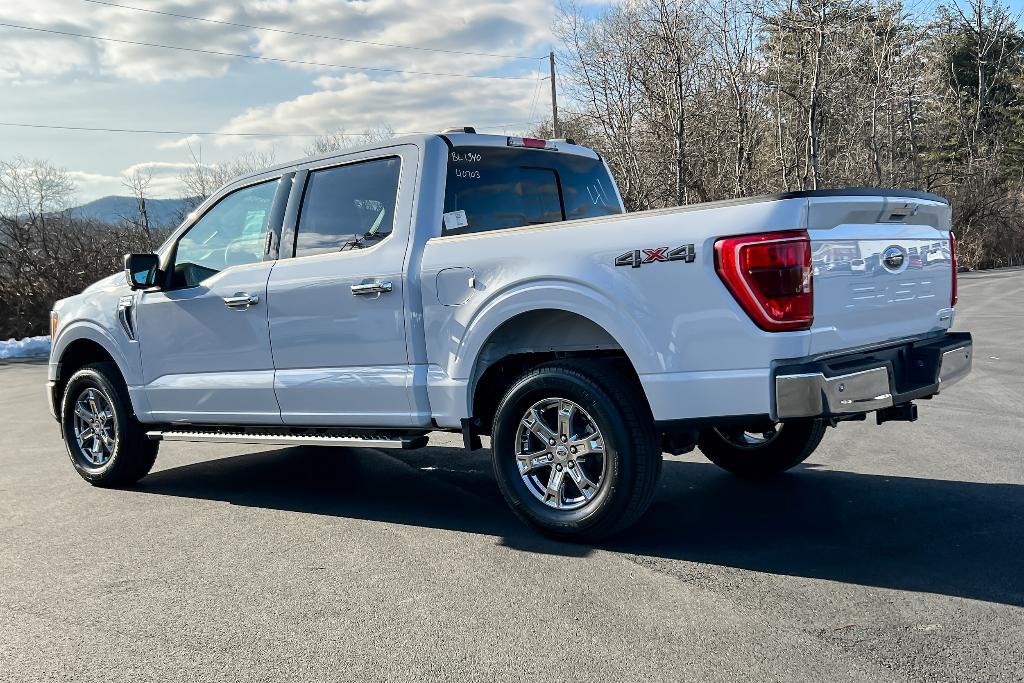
pixel 272 439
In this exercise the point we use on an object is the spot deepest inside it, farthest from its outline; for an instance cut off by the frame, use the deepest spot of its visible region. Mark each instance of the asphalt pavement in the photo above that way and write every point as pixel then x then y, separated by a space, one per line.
pixel 895 553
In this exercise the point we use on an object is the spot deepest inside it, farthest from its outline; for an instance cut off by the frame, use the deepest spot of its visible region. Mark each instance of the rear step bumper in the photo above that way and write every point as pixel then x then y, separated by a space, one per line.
pixel 862 382
pixel 271 438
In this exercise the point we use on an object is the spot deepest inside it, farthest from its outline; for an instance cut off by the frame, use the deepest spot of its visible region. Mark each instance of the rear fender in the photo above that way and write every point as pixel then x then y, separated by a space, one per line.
pixel 550 295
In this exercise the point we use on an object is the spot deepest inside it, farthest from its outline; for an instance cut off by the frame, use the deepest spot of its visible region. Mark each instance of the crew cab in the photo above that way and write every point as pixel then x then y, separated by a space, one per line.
pixel 496 286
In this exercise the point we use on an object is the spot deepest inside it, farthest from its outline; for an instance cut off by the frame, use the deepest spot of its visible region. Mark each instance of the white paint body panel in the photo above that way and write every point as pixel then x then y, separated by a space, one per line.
pixel 677 323
pixel 313 354
pixel 204 362
pixel 376 396
pixel 342 359
pixel 869 304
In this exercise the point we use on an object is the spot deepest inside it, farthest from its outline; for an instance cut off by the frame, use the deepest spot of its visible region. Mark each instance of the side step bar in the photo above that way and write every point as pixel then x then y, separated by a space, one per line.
pixel 283 439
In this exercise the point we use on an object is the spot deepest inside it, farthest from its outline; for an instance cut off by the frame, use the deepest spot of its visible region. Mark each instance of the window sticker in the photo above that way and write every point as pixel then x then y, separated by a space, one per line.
pixel 454 220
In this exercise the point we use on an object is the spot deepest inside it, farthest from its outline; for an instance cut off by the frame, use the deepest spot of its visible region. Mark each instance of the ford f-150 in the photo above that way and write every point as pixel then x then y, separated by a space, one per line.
pixel 495 286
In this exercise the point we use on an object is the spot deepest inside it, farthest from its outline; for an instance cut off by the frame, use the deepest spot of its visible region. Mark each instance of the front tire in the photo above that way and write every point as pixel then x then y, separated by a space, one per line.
pixel 574 450
pixel 755 453
pixel 107 446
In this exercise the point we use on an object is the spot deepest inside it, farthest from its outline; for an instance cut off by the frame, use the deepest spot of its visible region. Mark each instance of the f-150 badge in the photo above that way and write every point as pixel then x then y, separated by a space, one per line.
pixel 639 257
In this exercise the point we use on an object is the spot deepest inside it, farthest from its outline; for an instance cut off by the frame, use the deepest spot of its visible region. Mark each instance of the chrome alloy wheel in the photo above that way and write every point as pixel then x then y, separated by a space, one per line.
pixel 560 454
pixel 742 438
pixel 95 427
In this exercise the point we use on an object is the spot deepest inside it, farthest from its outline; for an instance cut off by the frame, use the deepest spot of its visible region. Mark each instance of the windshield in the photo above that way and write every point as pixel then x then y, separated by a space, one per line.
pixel 491 188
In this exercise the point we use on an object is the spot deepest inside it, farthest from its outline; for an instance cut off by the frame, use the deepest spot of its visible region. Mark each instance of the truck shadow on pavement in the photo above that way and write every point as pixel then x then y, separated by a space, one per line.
pixel 945 537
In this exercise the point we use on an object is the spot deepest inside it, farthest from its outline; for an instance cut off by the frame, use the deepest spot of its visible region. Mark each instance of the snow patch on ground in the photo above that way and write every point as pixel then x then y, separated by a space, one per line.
pixel 29 347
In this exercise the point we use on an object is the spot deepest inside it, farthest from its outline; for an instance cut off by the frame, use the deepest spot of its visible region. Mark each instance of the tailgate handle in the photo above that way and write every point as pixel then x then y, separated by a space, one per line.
pixel 900 214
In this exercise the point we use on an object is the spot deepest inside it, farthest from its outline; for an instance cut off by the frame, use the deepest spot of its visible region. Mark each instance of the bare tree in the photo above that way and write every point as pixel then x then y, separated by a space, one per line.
pixel 46 252
pixel 137 183
pixel 200 179
pixel 339 140
pixel 690 101
pixel 33 188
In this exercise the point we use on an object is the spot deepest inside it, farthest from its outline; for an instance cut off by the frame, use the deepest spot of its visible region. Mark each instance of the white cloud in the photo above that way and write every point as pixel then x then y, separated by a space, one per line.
pixel 487 26
pixel 39 57
pixel 356 103
pixel 164 182
pixel 62 70
pixel 164 176
pixel 34 53
pixel 181 143
pixel 93 185
pixel 353 103
pixel 481 27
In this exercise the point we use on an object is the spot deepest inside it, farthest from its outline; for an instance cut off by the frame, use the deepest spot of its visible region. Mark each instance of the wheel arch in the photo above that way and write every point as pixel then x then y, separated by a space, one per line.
pixel 79 346
pixel 529 338
pixel 558 295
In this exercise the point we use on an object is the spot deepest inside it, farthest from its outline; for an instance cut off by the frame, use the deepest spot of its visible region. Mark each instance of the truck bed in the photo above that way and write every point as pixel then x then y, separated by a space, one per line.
pixel 694 348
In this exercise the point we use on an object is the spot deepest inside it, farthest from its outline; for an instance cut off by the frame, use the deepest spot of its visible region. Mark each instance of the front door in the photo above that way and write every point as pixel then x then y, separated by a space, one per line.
pixel 337 314
pixel 205 339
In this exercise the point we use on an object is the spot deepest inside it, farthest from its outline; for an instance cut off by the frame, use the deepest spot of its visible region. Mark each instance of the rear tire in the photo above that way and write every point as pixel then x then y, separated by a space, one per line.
pixel 107 445
pixel 756 454
pixel 574 450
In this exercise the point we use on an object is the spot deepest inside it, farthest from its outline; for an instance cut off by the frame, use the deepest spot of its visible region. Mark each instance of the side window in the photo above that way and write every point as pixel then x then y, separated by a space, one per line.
pixel 232 233
pixel 348 207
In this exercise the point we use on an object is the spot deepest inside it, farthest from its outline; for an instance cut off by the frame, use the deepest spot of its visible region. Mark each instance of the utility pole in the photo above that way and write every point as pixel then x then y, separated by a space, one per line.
pixel 554 97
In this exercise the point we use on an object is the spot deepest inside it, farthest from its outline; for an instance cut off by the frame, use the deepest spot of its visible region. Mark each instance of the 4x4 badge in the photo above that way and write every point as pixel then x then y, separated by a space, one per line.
pixel 639 257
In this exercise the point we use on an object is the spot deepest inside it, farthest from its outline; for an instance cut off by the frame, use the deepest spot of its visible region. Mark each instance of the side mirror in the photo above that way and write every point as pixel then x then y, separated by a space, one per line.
pixel 141 270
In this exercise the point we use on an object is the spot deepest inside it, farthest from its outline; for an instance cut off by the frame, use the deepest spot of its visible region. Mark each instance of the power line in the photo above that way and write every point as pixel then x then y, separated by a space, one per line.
pixel 258 57
pixel 159 132
pixel 223 133
pixel 308 35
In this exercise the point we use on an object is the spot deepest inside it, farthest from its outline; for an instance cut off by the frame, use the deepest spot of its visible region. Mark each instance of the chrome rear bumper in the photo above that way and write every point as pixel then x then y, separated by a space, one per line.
pixel 955 364
pixel 862 383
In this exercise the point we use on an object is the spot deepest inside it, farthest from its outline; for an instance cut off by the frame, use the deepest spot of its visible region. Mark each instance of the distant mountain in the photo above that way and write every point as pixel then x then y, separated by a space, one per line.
pixel 162 212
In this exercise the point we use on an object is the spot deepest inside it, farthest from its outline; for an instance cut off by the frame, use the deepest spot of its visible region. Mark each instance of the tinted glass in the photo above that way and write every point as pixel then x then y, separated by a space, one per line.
pixel 512 187
pixel 348 207
pixel 232 233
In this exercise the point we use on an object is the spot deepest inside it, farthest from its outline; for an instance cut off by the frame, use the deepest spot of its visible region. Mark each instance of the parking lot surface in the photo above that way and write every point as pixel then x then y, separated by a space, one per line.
pixel 895 553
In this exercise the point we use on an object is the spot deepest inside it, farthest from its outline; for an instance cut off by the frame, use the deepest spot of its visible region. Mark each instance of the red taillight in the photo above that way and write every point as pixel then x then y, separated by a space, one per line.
pixel 770 276
pixel 534 143
pixel 952 257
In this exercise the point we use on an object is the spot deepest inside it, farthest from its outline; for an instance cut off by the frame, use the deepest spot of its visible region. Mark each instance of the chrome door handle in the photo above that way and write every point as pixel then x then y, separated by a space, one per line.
pixel 241 301
pixel 372 288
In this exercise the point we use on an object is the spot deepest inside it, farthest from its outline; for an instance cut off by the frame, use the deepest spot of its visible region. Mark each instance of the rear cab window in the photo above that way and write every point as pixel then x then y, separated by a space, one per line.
pixel 494 188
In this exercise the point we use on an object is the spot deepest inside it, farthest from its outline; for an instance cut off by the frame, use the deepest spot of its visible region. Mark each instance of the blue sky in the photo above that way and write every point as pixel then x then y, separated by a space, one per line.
pixel 60 80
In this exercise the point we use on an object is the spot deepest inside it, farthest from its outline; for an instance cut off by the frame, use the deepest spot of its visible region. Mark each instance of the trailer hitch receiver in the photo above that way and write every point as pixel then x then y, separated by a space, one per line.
pixel 905 412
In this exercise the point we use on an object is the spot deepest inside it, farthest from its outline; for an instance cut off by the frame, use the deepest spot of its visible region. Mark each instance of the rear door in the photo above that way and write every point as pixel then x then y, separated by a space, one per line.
pixel 882 269
pixel 337 309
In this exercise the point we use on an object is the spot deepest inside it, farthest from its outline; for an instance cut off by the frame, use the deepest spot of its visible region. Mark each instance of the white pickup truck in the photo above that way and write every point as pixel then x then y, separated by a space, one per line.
pixel 495 285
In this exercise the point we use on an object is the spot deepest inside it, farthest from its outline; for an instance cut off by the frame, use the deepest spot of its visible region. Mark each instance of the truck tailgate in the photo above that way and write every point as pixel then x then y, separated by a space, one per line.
pixel 882 267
